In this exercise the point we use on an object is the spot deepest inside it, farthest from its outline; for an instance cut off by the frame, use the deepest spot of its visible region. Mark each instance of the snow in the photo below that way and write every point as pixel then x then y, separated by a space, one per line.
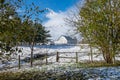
pixel 102 73
pixel 83 51
pixel 83 55
pixel 51 50
pixel 65 51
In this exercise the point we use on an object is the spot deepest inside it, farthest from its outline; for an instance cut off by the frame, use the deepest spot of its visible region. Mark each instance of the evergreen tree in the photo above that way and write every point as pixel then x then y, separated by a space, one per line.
pixel 15 29
pixel 34 32
pixel 42 35
pixel 9 26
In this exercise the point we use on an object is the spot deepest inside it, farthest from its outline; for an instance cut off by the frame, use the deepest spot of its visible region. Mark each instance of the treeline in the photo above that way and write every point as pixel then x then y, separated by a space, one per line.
pixel 18 27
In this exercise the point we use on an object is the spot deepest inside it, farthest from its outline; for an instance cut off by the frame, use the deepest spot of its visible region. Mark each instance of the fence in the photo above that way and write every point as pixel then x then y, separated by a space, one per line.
pixel 58 57
pixel 57 51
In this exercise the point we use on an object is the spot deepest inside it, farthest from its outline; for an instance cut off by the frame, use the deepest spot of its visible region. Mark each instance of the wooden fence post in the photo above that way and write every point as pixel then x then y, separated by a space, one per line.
pixel 91 54
pixel 57 57
pixel 19 62
pixel 76 57
pixel 46 58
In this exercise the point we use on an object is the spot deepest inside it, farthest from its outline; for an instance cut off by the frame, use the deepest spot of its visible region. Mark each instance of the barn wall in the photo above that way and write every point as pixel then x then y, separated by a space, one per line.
pixel 62 40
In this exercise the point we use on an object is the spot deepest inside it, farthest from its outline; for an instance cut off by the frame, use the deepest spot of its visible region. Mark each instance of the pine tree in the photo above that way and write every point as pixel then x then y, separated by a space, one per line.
pixel 34 33
pixel 9 26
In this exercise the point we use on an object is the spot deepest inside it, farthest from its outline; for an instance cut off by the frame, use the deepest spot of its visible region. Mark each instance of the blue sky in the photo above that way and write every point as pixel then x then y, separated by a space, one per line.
pixel 56 5
pixel 54 19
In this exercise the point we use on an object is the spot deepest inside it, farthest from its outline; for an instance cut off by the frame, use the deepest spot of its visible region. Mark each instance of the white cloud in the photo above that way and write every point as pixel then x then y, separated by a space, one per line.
pixel 57 24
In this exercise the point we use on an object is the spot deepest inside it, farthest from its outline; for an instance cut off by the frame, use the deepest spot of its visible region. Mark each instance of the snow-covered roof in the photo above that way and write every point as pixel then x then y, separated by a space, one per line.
pixel 69 39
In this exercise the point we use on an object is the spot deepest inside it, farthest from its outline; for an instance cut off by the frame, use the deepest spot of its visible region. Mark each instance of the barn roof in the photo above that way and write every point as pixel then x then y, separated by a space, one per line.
pixel 69 39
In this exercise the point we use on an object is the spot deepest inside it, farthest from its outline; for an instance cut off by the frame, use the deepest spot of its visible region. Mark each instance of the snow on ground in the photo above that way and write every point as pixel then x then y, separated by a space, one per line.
pixel 51 50
pixel 82 49
pixel 83 55
pixel 83 52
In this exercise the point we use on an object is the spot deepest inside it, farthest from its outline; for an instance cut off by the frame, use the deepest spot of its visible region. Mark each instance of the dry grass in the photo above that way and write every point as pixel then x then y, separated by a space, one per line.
pixel 98 64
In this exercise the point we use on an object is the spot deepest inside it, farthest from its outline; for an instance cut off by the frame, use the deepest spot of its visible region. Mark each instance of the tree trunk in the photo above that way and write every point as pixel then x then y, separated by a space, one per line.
pixel 107 55
pixel 31 60
pixel 109 58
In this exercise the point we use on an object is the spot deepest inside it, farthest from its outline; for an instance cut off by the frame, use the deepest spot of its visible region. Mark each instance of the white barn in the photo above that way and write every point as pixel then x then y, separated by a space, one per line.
pixel 66 40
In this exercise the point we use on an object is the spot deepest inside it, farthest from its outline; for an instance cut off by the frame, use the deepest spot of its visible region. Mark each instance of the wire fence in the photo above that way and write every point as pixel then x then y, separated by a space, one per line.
pixel 48 54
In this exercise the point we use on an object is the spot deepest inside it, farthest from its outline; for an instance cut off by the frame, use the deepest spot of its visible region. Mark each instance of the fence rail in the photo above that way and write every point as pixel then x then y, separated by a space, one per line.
pixel 58 57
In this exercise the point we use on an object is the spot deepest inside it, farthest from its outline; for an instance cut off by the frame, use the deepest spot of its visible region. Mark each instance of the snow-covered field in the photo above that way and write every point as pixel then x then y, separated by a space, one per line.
pixel 69 51
pixel 65 51
pixel 51 50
